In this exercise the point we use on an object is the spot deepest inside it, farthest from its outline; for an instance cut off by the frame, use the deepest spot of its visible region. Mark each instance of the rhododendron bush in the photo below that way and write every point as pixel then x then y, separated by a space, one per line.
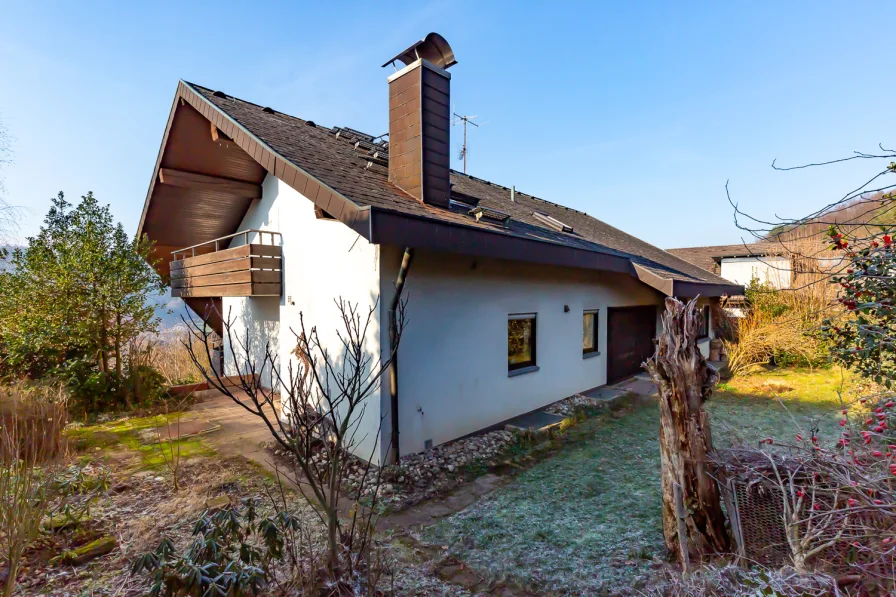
pixel 865 338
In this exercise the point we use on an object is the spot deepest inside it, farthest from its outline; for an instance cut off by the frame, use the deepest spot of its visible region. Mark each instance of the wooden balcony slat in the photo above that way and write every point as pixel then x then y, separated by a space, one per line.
pixel 231 265
pixel 239 277
pixel 227 254
pixel 249 289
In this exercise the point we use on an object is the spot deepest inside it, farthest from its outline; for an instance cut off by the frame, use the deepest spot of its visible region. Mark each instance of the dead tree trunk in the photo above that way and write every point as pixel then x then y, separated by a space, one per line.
pixel 693 521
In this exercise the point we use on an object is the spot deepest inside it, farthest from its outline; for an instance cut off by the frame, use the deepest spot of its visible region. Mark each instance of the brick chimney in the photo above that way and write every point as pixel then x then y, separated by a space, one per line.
pixel 419 121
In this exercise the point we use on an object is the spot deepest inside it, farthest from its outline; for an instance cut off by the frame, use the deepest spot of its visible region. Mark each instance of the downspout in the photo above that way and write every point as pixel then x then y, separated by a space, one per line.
pixel 393 335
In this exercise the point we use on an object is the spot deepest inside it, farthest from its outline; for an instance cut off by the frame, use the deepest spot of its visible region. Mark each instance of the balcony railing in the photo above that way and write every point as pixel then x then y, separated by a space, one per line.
pixel 208 270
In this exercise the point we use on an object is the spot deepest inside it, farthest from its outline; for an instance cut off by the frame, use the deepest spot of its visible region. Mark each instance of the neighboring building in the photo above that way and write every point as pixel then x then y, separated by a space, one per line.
pixel 779 264
pixel 514 302
pixel 768 262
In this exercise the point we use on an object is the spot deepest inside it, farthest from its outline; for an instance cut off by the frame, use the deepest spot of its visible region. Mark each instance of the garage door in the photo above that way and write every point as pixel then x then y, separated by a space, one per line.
pixel 630 333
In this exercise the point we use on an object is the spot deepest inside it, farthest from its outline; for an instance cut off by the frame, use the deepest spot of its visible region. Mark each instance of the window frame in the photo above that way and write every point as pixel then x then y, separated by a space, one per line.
pixel 707 328
pixel 594 351
pixel 532 364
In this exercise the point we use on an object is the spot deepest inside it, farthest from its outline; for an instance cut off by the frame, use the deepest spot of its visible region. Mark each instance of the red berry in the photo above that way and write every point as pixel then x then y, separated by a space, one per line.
pixel 852 503
pixel 877 453
pixel 843 422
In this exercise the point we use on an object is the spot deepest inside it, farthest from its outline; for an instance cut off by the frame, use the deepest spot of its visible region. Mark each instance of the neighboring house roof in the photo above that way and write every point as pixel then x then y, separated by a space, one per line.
pixel 709 257
pixel 347 176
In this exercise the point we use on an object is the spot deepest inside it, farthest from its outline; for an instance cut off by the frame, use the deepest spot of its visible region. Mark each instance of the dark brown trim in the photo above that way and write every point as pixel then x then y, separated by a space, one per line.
pixel 381 226
pixel 681 288
pixel 692 289
pixel 406 230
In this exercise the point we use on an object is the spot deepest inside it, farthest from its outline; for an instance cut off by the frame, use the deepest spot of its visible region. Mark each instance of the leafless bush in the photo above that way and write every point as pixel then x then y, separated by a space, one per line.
pixel 323 400
pixel 168 441
pixel 31 444
pixel 167 352
pixel 838 499
pixel 36 416
pixel 734 581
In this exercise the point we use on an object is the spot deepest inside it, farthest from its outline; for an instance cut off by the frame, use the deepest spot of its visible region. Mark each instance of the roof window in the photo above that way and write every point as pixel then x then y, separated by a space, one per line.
pixel 489 214
pixel 551 222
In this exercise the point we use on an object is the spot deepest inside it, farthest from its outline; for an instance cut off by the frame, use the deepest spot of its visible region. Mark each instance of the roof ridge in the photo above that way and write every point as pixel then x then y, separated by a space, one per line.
pixel 239 99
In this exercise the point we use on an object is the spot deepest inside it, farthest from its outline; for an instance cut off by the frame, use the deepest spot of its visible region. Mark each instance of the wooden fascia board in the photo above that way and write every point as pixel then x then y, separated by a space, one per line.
pixel 330 201
pixel 682 288
pixel 155 170
pixel 655 281
pixel 396 228
pixel 705 289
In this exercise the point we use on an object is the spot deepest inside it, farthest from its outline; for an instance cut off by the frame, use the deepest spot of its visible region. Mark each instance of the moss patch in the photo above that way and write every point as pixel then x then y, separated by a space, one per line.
pixel 126 433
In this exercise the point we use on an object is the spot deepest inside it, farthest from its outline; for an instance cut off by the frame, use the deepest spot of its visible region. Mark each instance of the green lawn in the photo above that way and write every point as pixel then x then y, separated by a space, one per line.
pixel 588 520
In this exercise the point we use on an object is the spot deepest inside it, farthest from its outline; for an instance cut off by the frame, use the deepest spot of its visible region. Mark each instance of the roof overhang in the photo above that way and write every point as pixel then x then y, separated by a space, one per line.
pixel 684 288
pixel 244 159
pixel 718 258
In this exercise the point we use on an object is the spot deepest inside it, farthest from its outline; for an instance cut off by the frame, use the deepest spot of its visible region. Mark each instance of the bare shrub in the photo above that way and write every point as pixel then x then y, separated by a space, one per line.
pixel 168 441
pixel 838 501
pixel 36 416
pixel 167 352
pixel 734 581
pixel 323 401
pixel 31 444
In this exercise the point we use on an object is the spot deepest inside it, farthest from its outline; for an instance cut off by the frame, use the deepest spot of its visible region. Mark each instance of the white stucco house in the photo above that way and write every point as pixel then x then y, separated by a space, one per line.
pixel 777 264
pixel 767 262
pixel 514 302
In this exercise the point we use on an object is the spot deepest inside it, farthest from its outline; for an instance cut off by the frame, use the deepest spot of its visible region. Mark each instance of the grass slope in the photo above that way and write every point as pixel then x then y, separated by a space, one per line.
pixel 588 520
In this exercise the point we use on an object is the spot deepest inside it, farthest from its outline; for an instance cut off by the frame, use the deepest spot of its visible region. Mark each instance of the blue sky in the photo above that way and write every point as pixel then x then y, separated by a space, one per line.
pixel 637 113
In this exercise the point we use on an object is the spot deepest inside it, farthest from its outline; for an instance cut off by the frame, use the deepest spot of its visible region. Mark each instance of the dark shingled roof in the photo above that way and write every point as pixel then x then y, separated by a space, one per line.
pixel 364 180
pixel 709 257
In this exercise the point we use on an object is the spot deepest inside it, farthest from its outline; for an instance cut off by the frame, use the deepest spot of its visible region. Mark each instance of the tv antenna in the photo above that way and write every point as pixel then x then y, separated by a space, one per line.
pixel 463 150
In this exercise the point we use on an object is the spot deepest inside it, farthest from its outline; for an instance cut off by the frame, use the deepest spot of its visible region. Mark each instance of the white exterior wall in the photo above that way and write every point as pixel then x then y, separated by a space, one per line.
pixel 453 357
pixel 775 271
pixel 322 261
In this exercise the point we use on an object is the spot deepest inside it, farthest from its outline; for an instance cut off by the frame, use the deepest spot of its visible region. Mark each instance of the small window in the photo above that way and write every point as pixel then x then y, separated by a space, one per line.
pixel 704 331
pixel 520 341
pixel 589 332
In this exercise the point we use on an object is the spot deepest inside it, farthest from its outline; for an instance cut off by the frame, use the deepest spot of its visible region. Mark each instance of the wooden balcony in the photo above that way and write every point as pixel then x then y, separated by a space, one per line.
pixel 251 269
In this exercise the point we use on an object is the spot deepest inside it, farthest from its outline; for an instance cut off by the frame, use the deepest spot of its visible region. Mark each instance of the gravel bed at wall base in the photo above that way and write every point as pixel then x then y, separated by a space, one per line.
pixel 421 476
pixel 569 406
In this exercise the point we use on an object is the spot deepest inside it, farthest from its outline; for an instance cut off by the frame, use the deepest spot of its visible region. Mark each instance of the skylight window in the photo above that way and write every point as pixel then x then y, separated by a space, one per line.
pixel 552 222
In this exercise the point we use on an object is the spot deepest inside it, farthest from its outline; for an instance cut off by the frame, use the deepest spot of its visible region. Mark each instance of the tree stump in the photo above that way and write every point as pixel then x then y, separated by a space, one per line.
pixel 693 521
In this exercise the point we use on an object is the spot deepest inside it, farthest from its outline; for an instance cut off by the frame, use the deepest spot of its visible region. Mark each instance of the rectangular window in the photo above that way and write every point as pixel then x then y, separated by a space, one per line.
pixel 520 341
pixel 589 332
pixel 704 331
